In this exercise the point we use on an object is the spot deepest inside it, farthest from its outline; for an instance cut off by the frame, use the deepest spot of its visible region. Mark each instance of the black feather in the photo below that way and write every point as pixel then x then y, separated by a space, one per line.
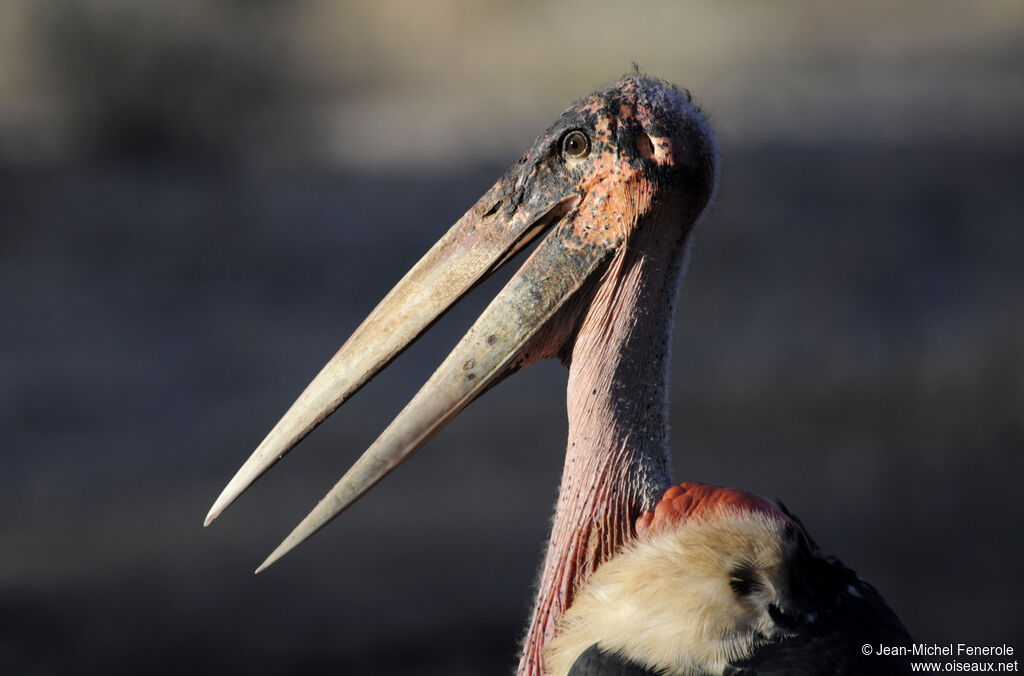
pixel 596 662
pixel 744 580
pixel 837 614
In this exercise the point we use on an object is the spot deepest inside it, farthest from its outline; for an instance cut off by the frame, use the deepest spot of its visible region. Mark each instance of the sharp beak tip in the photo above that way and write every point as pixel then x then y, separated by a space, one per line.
pixel 289 544
pixel 238 485
pixel 222 502
pixel 448 390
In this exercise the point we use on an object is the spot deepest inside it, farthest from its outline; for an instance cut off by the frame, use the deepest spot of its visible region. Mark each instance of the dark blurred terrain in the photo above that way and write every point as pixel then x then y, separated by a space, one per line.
pixel 196 208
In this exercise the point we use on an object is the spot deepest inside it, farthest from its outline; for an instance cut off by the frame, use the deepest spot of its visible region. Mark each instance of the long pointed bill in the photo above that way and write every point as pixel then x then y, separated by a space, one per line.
pixel 555 271
pixel 608 165
pixel 475 246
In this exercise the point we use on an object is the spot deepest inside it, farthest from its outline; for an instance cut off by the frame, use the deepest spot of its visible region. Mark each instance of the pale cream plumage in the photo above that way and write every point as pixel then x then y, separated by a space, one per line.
pixel 667 602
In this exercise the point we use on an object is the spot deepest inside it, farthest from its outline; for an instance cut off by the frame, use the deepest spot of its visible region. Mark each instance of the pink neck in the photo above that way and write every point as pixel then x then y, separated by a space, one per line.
pixel 616 463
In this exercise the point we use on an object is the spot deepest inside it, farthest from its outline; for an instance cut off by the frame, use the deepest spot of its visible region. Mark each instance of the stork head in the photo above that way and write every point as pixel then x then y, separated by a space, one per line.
pixel 634 157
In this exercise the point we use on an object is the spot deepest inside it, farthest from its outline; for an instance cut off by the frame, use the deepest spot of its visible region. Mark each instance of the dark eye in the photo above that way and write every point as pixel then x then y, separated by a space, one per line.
pixel 575 145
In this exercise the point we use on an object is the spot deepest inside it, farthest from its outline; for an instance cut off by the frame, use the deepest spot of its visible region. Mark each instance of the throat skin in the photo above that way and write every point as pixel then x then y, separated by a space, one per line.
pixel 617 460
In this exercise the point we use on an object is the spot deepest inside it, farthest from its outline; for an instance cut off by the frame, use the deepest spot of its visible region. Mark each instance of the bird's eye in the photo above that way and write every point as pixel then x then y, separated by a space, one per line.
pixel 575 145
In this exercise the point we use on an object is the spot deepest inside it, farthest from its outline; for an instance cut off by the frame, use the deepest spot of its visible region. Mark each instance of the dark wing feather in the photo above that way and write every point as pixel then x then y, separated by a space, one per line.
pixel 847 613
pixel 596 662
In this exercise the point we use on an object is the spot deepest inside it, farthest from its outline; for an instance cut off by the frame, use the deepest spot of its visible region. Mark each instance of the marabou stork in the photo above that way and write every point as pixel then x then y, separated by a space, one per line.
pixel 614 188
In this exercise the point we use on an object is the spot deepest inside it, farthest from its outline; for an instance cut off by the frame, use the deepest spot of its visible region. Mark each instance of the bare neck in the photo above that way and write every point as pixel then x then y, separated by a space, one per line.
pixel 616 463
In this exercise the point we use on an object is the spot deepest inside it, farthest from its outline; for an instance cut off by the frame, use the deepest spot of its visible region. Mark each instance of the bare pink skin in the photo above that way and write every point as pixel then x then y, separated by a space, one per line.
pixel 615 338
pixel 616 463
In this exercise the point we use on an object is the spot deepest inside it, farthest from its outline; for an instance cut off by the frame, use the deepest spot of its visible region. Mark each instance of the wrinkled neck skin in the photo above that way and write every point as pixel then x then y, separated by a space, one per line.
pixel 616 462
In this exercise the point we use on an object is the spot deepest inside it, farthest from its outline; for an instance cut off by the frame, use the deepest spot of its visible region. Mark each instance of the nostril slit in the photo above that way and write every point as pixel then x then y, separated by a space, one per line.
pixel 644 145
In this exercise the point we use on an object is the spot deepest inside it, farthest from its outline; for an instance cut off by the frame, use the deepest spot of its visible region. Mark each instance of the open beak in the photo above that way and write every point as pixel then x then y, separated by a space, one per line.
pixel 586 185
pixel 488 235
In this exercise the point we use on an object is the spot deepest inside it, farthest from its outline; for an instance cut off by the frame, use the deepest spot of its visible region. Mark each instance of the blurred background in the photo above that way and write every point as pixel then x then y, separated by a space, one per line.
pixel 199 201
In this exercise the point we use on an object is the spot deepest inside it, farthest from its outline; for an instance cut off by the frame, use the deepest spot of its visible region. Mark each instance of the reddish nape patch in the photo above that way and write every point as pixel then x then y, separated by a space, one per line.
pixel 692 500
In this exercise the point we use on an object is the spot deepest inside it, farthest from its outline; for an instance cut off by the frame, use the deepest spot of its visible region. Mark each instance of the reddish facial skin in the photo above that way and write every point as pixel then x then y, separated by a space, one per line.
pixel 650 172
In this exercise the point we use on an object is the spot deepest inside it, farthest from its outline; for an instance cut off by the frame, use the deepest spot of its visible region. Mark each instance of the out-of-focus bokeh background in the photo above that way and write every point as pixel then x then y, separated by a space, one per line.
pixel 198 201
